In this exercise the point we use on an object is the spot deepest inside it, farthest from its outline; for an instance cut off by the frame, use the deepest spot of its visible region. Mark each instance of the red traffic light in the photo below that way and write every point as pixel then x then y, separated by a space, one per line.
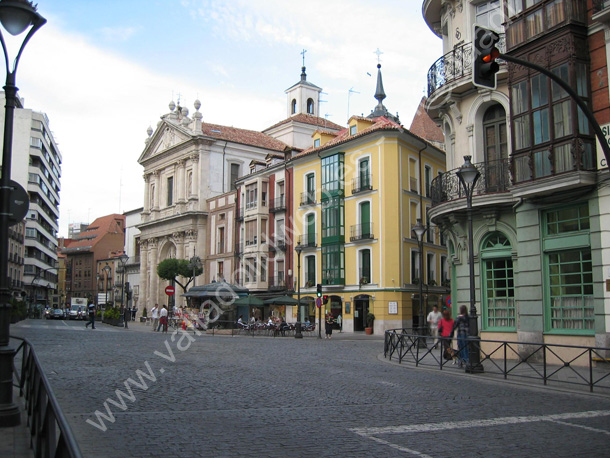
pixel 325 299
pixel 494 53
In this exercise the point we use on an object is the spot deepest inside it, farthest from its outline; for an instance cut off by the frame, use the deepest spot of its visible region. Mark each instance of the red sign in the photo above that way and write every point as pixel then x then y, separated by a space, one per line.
pixel 170 290
pixel 448 301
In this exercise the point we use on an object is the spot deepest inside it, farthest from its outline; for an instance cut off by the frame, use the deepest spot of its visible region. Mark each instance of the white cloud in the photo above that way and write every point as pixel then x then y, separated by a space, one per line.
pixel 114 34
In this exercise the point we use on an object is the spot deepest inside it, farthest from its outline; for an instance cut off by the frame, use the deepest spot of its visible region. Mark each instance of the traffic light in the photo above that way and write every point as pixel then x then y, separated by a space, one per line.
pixel 319 289
pixel 325 299
pixel 485 54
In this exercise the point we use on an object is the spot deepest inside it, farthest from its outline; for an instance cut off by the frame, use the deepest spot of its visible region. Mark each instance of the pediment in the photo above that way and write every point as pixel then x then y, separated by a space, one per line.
pixel 166 136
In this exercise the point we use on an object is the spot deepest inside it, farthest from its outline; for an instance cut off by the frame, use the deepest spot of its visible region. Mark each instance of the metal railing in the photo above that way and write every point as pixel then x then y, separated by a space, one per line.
pixel 278 204
pixel 495 177
pixel 554 363
pixel 454 65
pixel 51 433
pixel 308 198
pixel 362 183
pixel 307 240
pixel 361 232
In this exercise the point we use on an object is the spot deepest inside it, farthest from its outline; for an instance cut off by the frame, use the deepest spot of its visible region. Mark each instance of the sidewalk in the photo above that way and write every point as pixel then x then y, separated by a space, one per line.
pixel 15 441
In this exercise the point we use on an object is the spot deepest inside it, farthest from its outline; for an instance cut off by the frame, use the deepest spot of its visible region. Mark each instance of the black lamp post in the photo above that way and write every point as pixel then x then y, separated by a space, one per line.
pixel 468 175
pixel 123 266
pixel 298 331
pixel 16 18
pixel 419 230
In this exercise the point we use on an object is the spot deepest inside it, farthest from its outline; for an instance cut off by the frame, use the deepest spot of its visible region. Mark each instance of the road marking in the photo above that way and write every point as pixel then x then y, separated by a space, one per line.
pixel 588 428
pixel 368 433
pixel 443 426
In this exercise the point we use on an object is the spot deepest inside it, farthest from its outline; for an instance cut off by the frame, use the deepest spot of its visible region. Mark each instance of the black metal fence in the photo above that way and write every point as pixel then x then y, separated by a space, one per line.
pixel 548 363
pixel 51 433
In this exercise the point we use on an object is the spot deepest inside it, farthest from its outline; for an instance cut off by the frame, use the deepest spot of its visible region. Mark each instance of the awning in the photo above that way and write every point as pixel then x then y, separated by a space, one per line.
pixel 221 289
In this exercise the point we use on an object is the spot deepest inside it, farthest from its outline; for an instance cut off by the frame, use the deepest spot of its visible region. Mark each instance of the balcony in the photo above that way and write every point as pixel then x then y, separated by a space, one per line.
pixel 278 204
pixel 454 65
pixel 308 198
pixel 362 184
pixel 308 240
pixel 277 283
pixel 361 232
pixel 600 5
pixel 495 177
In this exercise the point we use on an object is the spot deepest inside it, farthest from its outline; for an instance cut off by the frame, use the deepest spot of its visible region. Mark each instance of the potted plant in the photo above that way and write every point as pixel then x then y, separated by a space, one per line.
pixel 144 315
pixel 364 281
pixel 370 319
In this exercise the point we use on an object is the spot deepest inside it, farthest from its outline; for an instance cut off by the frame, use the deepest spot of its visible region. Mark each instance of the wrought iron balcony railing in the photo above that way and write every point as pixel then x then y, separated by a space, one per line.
pixel 277 282
pixel 308 198
pixel 308 240
pixel 362 183
pixel 278 204
pixel 495 177
pixel 361 232
pixel 454 65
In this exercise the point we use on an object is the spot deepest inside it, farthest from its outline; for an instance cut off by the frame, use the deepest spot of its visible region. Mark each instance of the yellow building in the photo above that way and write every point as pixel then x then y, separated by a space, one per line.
pixel 357 195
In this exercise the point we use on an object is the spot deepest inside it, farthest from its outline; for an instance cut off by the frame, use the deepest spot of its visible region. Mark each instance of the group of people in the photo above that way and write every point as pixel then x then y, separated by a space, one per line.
pixel 159 318
pixel 445 326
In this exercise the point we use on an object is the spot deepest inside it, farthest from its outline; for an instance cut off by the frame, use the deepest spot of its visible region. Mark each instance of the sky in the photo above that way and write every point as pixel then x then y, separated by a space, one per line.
pixel 104 71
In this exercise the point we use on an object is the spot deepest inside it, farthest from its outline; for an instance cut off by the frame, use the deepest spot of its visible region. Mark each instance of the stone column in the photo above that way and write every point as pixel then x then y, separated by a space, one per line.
pixel 154 279
pixel 181 181
pixel 157 184
pixel 146 193
pixel 144 278
pixel 195 161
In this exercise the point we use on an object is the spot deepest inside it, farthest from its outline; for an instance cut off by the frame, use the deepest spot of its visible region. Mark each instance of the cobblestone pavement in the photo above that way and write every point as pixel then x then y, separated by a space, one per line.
pixel 260 396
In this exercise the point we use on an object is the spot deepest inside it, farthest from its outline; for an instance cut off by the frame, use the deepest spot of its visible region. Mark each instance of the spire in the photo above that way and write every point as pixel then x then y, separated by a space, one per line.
pixel 380 109
pixel 379 92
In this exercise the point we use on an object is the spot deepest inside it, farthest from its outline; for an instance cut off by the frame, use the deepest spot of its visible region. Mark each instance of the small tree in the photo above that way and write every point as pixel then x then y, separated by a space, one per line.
pixel 170 269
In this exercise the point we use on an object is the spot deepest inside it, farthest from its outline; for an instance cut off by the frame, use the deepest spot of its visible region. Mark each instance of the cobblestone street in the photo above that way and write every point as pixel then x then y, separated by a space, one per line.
pixel 265 396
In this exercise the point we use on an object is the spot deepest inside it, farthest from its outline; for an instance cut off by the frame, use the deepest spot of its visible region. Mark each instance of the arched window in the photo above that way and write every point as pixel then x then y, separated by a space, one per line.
pixel 293 106
pixel 496 150
pixel 310 106
pixel 498 291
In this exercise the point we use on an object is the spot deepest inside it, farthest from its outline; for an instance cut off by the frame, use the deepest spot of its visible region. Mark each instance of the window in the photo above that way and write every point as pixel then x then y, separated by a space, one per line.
pixel 221 240
pixel 310 270
pixel 234 175
pixel 251 196
pixel 264 194
pixel 310 106
pixel 539 84
pixel 365 266
pixel 489 14
pixel 263 269
pixel 311 230
pixel 427 179
pixel 444 271
pixel 279 269
pixel 495 144
pixel 498 283
pixel 251 232
pixel 353 129
pixel 311 188
pixel 415 266
pixel 366 229
pixel 293 106
pixel 333 264
pixel 431 269
pixel 170 191
pixel 263 231
pixel 332 176
pixel 568 265
pixel 220 268
pixel 316 143
pixel 333 225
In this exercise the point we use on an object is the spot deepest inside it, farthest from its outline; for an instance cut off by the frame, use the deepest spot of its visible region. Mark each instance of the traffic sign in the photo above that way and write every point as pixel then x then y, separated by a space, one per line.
pixel 319 302
pixel 170 290
pixel 448 301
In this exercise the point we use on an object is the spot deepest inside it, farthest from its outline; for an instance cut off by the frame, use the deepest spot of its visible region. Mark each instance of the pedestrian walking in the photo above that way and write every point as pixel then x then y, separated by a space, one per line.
pixel 445 329
pixel 91 309
pixel 329 326
pixel 462 327
pixel 154 313
pixel 134 311
pixel 126 316
pixel 433 319
pixel 163 319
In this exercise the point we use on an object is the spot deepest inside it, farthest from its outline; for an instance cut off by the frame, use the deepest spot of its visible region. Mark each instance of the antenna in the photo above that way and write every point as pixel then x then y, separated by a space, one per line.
pixel 349 94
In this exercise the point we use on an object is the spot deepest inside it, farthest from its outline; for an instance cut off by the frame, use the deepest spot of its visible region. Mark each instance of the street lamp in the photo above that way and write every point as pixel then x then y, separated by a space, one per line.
pixel 123 266
pixel 468 175
pixel 298 333
pixel 419 230
pixel 106 270
pixel 16 18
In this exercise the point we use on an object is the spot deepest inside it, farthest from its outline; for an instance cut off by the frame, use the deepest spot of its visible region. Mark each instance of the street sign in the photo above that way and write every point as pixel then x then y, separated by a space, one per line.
pixel 170 290
pixel 19 203
pixel 319 302
pixel 448 301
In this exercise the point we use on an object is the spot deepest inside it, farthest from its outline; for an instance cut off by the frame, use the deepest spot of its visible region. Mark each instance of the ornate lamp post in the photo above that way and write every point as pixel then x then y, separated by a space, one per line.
pixel 16 18
pixel 419 230
pixel 123 266
pixel 468 175
pixel 298 249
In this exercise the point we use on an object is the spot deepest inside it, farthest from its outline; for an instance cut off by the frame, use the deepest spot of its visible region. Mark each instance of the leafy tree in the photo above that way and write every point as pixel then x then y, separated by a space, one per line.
pixel 170 269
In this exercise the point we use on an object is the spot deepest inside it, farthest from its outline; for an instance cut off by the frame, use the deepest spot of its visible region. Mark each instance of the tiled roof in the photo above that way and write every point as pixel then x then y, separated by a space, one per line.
pixel 308 119
pixel 343 136
pixel 424 127
pixel 243 136
pixel 86 240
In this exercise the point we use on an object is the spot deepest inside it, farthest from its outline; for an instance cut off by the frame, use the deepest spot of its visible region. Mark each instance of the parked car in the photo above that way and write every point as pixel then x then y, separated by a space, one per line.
pixel 57 314
pixel 77 312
